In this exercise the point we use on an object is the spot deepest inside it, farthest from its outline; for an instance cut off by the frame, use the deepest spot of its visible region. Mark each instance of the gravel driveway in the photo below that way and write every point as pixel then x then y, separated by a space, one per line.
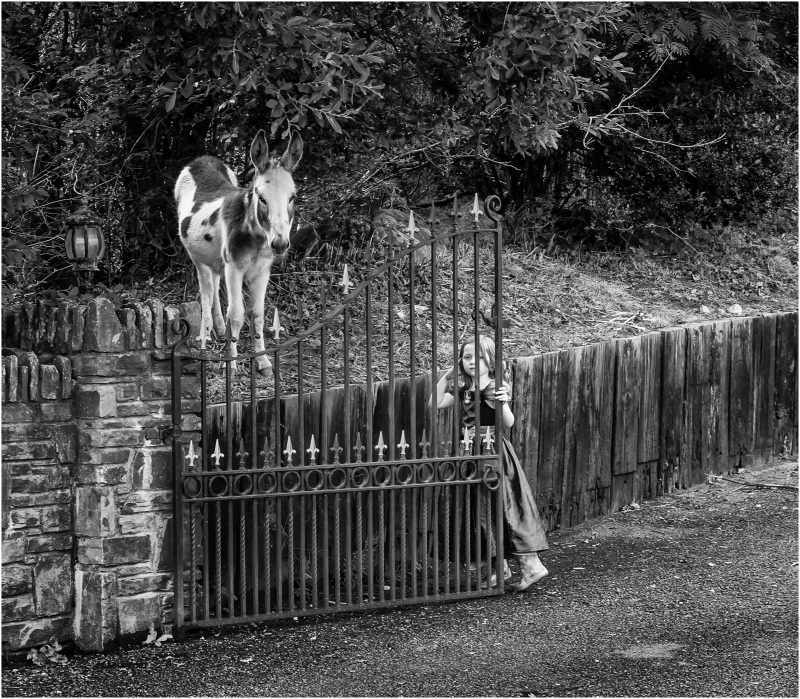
pixel 691 595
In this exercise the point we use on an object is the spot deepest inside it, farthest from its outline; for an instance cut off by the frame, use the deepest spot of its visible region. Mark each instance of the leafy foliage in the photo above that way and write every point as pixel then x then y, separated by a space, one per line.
pixel 583 116
pixel 47 654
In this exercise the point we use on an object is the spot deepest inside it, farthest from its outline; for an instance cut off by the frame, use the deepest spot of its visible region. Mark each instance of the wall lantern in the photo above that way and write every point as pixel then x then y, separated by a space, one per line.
pixel 84 240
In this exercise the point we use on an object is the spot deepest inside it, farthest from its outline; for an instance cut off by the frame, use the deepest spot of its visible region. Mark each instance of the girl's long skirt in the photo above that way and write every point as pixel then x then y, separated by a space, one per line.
pixel 524 531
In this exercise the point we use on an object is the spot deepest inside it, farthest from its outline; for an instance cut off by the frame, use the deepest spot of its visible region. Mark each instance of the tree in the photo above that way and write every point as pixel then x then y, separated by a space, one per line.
pixel 543 103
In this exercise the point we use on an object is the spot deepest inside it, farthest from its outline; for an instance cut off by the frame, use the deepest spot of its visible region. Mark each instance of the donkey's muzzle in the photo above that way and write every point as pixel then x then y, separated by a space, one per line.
pixel 280 246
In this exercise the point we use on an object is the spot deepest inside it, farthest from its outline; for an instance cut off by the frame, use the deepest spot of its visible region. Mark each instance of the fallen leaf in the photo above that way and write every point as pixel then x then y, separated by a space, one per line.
pixel 151 636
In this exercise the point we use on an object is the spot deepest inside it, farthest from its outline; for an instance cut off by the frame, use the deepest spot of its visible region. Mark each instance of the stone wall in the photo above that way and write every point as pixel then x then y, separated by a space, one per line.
pixel 87 470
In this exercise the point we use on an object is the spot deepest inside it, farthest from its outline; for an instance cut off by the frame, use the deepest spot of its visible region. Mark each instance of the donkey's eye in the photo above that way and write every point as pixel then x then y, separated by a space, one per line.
pixel 291 198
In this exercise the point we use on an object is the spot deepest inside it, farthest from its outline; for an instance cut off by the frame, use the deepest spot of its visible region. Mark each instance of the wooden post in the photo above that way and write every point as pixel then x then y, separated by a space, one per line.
pixel 649 417
pixel 742 418
pixel 551 437
pixel 672 450
pixel 785 429
pixel 626 423
pixel 763 387
pixel 526 406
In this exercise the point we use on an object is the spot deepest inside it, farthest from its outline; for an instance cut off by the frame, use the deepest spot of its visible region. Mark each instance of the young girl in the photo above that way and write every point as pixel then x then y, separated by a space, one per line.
pixel 524 529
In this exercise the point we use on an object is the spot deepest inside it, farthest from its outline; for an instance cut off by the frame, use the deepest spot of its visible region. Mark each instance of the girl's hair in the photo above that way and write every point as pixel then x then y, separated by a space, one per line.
pixel 487 353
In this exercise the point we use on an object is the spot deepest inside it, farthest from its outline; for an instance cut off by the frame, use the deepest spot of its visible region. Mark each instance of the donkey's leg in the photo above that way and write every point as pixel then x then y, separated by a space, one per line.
pixel 258 290
pixel 234 277
pixel 205 277
pixel 216 310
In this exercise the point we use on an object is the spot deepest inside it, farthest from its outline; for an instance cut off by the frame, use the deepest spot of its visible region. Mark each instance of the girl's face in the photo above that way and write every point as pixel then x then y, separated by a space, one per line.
pixel 474 366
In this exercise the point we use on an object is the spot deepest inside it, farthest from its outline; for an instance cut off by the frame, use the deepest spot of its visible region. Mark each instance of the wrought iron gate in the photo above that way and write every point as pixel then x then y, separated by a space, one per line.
pixel 356 495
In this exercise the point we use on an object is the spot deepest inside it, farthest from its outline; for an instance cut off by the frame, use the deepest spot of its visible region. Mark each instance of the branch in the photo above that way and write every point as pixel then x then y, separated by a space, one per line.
pixel 752 485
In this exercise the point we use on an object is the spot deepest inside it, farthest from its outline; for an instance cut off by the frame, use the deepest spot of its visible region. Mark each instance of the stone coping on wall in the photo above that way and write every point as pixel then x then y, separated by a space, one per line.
pixel 97 326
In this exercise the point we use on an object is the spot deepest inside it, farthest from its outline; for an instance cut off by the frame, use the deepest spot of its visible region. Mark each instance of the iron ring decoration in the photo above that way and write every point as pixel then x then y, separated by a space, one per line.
pixel 447 471
pixel 267 483
pixel 291 482
pixel 408 474
pixel 469 470
pixel 359 477
pixel 192 487
pixel 425 473
pixel 382 470
pixel 212 488
pixel 337 479
pixel 237 480
pixel 316 485
pixel 491 478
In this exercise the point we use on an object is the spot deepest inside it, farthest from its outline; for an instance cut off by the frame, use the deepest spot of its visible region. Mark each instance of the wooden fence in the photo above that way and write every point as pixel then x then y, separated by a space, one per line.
pixel 606 425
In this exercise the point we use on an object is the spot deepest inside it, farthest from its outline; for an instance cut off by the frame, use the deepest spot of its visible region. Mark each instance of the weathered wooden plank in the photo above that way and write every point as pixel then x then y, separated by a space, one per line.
pixel 697 373
pixel 526 402
pixel 742 413
pixel 623 490
pixel 785 429
pixel 649 398
pixel 764 332
pixel 587 447
pixel 576 437
pixel 551 439
pixel 673 455
pixel 601 426
pixel 626 409
pixel 646 484
pixel 717 397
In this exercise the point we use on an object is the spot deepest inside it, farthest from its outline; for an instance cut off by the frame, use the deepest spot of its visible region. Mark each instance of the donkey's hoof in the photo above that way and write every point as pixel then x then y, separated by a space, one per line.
pixel 266 370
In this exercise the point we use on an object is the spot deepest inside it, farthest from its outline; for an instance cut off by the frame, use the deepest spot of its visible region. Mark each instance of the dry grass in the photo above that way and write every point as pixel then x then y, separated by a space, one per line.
pixel 552 302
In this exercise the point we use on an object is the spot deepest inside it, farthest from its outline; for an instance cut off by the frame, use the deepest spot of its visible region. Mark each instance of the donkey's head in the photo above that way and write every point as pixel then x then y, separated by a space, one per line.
pixel 273 190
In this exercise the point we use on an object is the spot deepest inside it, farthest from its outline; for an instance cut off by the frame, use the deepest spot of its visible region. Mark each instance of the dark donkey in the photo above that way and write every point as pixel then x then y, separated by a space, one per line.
pixel 238 230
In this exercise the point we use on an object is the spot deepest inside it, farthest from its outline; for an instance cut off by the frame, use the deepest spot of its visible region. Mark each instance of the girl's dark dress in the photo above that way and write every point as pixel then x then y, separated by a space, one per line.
pixel 524 530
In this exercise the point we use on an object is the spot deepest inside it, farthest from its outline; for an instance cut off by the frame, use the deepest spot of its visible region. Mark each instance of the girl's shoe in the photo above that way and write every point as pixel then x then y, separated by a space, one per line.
pixel 506 576
pixel 532 571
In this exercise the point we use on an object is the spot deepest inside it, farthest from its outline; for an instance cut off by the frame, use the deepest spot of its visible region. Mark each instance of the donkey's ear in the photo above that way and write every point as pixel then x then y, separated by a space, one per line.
pixel 293 153
pixel 259 152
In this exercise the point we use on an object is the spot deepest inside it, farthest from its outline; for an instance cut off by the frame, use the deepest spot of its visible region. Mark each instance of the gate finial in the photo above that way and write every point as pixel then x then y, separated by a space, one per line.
pixel 217 455
pixel 312 451
pixel 269 455
pixel 412 228
pixel 467 440
pixel 289 451
pixel 191 457
pixel 276 326
pixel 345 283
pixel 359 449
pixel 403 444
pixel 476 210
pixel 336 449
pixel 381 446
pixel 487 438
pixel 424 444
pixel 242 454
